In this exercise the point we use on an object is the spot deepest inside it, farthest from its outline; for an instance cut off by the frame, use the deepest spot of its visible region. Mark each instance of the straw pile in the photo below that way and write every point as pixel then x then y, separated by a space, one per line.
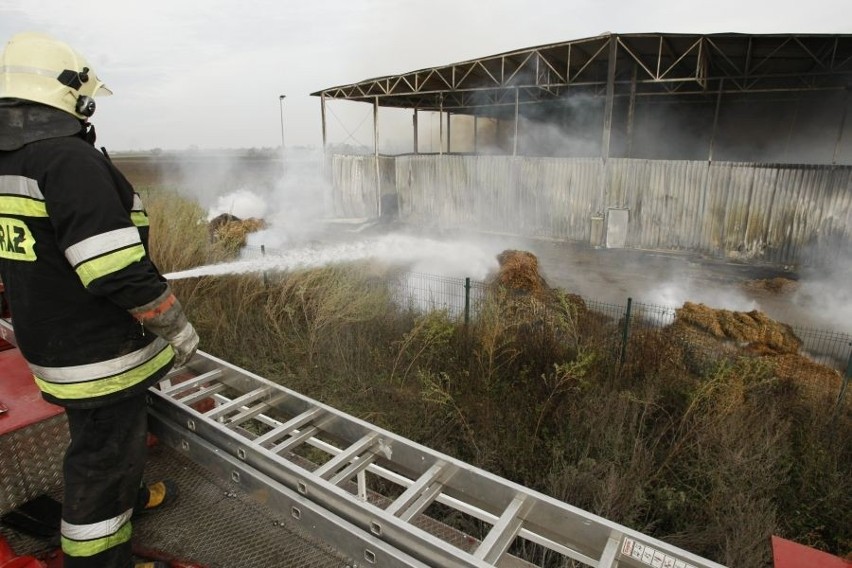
pixel 708 335
pixel 809 375
pixel 754 330
pixel 773 285
pixel 232 231
pixel 530 297
pixel 518 272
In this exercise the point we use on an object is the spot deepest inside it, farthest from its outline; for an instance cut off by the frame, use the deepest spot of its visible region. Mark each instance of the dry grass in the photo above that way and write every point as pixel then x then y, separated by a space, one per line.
pixel 702 437
pixel 178 231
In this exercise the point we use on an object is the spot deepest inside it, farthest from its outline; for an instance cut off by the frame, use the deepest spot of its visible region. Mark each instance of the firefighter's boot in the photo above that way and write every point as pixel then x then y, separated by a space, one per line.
pixel 156 495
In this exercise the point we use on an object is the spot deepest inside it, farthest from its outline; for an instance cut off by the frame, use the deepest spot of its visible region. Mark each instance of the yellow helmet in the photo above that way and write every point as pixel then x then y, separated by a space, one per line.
pixel 36 67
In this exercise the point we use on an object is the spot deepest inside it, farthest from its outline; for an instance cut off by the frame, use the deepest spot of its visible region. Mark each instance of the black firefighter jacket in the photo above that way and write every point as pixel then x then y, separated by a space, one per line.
pixel 74 260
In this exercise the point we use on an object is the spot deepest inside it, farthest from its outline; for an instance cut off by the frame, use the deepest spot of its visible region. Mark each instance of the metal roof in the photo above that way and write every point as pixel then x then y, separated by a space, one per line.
pixel 645 64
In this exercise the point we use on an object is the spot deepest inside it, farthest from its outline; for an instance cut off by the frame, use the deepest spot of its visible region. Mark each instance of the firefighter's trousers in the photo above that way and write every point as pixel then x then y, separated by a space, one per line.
pixel 102 474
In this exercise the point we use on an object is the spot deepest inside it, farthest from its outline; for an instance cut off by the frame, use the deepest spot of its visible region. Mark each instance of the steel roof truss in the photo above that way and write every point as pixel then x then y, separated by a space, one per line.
pixel 507 80
pixel 552 68
pixel 679 59
pixel 594 56
pixel 763 61
pixel 725 58
pixel 637 59
pixel 816 59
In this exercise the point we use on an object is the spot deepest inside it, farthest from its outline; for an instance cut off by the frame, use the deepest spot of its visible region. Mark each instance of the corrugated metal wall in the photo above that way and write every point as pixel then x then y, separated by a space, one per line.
pixel 355 192
pixel 775 213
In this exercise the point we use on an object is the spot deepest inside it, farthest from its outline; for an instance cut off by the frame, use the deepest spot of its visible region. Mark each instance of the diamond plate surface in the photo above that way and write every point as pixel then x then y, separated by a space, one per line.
pixel 216 523
pixel 31 461
pixel 213 522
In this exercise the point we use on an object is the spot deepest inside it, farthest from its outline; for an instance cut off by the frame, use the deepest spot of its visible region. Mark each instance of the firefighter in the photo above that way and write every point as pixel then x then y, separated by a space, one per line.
pixel 93 316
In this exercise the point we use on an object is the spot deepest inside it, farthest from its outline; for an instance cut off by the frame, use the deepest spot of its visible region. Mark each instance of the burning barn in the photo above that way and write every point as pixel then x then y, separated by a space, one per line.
pixel 735 146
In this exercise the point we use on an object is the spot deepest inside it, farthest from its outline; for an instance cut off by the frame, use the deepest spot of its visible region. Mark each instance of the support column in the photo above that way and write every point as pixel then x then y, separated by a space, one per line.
pixel 715 120
pixel 376 156
pixel 517 109
pixel 610 96
pixel 324 131
pixel 449 132
pixel 416 132
pixel 441 125
pixel 631 110
pixel 475 134
pixel 840 129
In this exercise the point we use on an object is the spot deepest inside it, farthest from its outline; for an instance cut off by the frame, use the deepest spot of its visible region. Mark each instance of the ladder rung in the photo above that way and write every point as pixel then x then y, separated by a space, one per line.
pixel 331 466
pixel 410 495
pixel 426 498
pixel 201 394
pixel 503 533
pixel 191 383
pixel 358 464
pixel 295 440
pixel 557 547
pixel 238 402
pixel 252 411
pixel 289 426
pixel 610 553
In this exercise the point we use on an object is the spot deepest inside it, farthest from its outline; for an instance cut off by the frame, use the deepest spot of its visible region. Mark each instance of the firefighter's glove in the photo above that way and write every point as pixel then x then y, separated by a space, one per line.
pixel 164 316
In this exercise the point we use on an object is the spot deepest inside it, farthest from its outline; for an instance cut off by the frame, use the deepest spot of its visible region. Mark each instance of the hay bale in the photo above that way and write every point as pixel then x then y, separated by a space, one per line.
pixel 700 351
pixel 218 222
pixel 518 272
pixel 776 285
pixel 753 330
pixel 812 378
pixel 232 231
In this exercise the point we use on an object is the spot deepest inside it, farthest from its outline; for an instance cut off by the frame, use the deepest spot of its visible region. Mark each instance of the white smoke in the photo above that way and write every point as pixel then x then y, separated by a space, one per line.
pixel 676 292
pixel 825 293
pixel 242 203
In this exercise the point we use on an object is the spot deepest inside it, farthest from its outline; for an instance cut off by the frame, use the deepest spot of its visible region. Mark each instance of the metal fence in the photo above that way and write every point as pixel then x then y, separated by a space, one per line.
pixel 822 365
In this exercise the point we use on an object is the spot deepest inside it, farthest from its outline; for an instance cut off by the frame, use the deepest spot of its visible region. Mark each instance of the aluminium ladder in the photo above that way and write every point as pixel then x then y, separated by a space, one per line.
pixel 367 492
pixel 375 486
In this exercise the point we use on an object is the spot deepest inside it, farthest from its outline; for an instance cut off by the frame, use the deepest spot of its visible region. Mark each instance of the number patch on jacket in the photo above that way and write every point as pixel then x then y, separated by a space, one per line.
pixel 16 240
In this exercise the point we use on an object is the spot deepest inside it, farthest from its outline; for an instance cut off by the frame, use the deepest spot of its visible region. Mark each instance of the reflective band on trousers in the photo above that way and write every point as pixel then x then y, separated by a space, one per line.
pixel 95 380
pixel 94 538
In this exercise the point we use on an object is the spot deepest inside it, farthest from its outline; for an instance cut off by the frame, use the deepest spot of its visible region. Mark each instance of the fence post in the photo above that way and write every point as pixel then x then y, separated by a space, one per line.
pixel 265 276
pixel 846 376
pixel 467 300
pixel 626 331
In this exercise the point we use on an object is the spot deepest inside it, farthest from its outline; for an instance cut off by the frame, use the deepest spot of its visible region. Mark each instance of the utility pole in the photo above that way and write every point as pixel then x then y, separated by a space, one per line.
pixel 281 111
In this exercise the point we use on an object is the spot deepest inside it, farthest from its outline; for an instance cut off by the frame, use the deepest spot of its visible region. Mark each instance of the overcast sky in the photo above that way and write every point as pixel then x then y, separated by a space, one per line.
pixel 208 73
